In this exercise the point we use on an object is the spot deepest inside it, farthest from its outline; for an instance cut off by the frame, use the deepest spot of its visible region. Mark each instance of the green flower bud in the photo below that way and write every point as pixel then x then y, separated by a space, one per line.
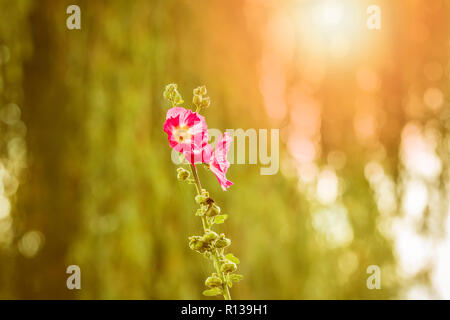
pixel 210 236
pixel 201 91
pixel 171 93
pixel 222 242
pixel 197 100
pixel 213 210
pixel 205 103
pixel 205 193
pixel 196 243
pixel 200 199
pixel 169 90
pixel 228 267
pixel 200 99
pixel 182 174
pixel 213 281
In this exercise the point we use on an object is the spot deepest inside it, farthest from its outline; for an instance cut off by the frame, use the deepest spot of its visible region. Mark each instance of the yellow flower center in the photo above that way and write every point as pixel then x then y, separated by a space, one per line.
pixel 181 134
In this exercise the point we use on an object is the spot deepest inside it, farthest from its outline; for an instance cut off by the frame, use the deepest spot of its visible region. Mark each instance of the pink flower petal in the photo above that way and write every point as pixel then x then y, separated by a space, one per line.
pixel 219 163
pixel 202 155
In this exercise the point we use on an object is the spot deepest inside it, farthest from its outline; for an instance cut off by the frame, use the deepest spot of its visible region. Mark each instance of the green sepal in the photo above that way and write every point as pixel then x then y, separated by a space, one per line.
pixel 220 218
pixel 212 292
pixel 236 277
pixel 232 258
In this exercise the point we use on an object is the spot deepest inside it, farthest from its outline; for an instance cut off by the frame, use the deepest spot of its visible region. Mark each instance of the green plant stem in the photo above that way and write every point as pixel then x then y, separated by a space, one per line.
pixel 214 253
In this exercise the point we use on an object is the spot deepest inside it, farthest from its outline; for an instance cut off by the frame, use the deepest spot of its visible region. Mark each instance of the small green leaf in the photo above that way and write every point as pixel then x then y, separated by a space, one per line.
pixel 220 218
pixel 236 277
pixel 212 292
pixel 232 258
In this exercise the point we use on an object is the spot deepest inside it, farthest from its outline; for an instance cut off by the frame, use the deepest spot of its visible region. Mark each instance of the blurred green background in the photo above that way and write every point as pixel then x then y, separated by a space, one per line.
pixel 86 176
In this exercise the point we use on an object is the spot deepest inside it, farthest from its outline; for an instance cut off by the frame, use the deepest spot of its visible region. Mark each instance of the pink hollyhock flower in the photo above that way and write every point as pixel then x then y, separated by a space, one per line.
pixel 219 163
pixel 188 134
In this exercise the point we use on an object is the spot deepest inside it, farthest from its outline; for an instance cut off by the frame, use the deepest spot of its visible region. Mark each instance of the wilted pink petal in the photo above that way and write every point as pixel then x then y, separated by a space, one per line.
pixel 219 163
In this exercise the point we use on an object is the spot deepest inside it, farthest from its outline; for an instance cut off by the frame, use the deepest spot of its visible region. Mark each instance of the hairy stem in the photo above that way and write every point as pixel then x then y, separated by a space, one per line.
pixel 215 254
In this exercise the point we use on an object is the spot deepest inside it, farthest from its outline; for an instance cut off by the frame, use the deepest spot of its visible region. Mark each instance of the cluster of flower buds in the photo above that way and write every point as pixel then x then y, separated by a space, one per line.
pixel 200 100
pixel 171 93
pixel 217 283
pixel 208 242
pixel 212 245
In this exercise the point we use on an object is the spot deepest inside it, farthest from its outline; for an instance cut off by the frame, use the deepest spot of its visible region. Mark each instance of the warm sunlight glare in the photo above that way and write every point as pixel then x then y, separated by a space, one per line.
pixel 329 14
pixel 331 27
